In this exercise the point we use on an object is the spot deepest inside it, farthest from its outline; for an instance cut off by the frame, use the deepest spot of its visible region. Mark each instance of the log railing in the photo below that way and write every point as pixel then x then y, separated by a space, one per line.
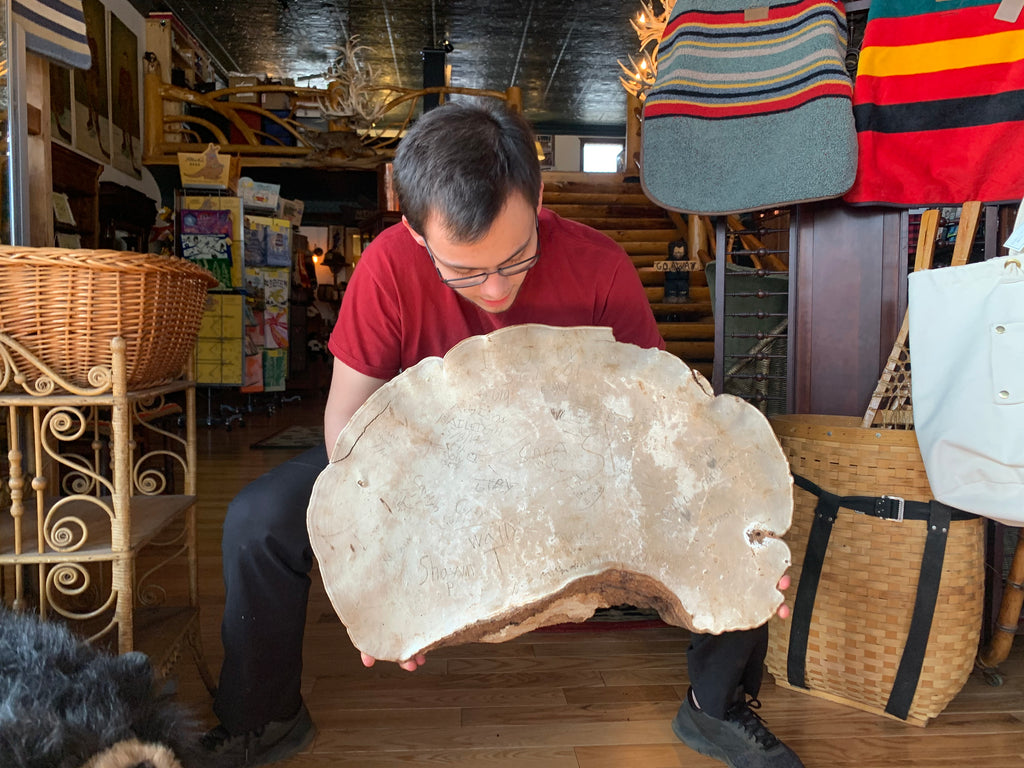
pixel 181 120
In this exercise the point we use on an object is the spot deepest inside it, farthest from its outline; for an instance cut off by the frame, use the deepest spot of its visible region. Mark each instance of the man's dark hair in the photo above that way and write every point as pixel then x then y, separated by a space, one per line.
pixel 461 163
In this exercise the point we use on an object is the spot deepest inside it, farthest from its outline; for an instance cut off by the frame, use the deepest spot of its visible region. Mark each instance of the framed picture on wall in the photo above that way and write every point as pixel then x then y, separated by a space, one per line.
pixel 126 135
pixel 60 103
pixel 92 99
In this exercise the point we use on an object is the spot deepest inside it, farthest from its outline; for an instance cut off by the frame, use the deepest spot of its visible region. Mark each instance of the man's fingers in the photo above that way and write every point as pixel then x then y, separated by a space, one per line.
pixel 410 666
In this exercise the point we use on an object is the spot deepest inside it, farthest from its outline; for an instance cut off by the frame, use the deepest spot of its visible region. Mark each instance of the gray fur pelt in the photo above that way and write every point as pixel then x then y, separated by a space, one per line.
pixel 63 702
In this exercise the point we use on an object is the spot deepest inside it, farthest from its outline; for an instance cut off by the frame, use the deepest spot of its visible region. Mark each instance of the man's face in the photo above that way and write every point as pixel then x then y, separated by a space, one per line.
pixel 512 239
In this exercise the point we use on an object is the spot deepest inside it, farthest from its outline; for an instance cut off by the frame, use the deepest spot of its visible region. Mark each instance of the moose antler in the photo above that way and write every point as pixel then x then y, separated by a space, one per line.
pixel 649 27
pixel 351 97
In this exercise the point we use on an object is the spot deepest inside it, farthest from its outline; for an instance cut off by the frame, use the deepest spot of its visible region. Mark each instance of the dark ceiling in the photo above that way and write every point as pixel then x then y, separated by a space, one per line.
pixel 562 53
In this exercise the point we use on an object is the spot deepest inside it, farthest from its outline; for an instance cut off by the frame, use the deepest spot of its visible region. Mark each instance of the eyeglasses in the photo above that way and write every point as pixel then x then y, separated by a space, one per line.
pixel 516 268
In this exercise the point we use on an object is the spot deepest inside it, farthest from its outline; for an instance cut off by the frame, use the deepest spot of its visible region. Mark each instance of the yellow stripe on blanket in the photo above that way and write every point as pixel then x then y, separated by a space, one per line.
pixel 888 61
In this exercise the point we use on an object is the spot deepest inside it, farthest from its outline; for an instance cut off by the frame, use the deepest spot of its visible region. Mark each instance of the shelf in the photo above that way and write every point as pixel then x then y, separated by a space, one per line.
pixel 149 516
pixel 62 399
pixel 77 177
pixel 161 631
pixel 75 553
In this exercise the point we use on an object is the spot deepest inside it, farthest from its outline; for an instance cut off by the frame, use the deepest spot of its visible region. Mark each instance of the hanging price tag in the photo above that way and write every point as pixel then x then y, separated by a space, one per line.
pixel 1009 10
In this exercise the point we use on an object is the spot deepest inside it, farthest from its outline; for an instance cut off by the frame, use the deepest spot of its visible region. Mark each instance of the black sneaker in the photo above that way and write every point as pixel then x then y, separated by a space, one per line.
pixel 277 740
pixel 741 740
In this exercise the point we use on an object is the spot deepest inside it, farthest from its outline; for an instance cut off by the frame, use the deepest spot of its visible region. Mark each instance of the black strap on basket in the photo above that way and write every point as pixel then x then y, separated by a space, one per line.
pixel 892 508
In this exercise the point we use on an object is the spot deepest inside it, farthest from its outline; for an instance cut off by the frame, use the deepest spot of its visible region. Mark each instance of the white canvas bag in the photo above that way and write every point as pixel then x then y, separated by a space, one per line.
pixel 967 384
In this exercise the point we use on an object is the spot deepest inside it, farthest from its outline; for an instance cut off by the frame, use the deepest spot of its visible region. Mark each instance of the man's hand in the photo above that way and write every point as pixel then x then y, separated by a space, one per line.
pixel 409 666
pixel 783 612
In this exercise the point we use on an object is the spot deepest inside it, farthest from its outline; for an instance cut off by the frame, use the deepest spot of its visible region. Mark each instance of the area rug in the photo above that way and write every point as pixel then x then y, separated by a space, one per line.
pixel 292 437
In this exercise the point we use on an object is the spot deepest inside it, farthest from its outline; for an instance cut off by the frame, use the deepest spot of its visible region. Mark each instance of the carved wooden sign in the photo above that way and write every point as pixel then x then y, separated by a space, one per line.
pixel 678 266
pixel 536 474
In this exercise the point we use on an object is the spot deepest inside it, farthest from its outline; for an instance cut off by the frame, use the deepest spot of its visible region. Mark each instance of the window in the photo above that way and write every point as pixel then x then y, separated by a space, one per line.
pixel 601 155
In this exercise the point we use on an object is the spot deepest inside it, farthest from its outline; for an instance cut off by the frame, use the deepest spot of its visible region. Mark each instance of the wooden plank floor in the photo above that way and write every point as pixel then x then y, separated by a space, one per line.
pixel 595 699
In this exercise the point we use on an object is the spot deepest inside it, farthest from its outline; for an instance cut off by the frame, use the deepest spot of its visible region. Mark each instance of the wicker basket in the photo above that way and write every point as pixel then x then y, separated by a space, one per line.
pixel 862 610
pixel 65 306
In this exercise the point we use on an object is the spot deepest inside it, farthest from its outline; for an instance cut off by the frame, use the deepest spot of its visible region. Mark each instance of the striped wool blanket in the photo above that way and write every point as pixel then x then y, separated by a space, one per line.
pixel 54 29
pixel 751 107
pixel 939 103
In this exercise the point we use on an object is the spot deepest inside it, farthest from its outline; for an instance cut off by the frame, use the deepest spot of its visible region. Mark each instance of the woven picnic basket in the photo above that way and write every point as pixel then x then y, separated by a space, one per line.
pixel 65 306
pixel 863 605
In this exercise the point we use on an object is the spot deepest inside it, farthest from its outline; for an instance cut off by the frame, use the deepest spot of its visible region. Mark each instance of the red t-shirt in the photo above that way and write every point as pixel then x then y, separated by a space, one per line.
pixel 396 310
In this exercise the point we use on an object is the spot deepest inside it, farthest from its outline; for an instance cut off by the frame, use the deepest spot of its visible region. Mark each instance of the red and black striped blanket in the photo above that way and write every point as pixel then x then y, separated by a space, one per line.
pixel 939 103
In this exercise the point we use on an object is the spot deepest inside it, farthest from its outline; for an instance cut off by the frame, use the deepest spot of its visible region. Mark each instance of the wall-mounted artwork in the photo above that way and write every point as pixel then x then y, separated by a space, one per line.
pixel 60 103
pixel 92 99
pixel 126 143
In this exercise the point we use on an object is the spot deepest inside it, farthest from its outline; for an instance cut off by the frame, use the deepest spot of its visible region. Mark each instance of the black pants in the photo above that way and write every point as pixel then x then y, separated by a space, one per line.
pixel 267 560
pixel 724 667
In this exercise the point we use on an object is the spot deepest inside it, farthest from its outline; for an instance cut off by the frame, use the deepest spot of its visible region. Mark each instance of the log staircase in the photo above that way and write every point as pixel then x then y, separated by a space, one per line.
pixel 618 207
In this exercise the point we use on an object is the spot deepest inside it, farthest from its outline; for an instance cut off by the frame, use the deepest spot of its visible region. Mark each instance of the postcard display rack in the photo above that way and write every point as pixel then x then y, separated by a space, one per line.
pixel 246 241
pixel 100 528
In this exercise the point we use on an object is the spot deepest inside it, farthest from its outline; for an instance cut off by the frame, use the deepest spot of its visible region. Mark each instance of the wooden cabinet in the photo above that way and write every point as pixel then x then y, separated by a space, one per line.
pixel 125 218
pixel 76 178
pixel 98 525
pixel 99 214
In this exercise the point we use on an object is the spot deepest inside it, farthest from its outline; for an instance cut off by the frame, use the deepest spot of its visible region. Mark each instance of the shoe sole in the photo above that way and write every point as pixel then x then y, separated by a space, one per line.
pixel 285 749
pixel 697 742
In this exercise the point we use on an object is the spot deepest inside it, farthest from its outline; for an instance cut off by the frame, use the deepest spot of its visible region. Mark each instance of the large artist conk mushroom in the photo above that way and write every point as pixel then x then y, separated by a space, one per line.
pixel 535 474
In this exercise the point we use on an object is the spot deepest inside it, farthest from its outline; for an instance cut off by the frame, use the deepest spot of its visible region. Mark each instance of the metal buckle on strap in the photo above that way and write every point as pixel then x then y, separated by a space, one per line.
pixel 900 505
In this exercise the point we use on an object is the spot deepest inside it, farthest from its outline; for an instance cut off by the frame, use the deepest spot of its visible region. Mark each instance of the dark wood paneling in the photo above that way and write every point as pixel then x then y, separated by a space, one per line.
pixel 848 302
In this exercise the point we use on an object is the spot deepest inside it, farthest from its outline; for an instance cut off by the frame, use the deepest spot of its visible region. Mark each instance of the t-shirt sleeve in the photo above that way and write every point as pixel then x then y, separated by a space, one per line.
pixel 367 335
pixel 627 311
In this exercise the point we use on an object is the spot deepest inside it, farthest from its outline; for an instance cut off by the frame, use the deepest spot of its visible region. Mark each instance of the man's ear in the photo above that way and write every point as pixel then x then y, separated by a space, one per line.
pixel 415 235
pixel 540 198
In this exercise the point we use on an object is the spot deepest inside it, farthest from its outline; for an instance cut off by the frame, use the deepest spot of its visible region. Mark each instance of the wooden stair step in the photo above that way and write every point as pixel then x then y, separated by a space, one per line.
pixel 635 223
pixel 691 351
pixel 662 236
pixel 651 276
pixel 699 291
pixel 655 280
pixel 555 197
pixel 616 210
pixel 704 367
pixel 698 295
pixel 696 331
pixel 588 182
pixel 657 248
pixel 692 310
